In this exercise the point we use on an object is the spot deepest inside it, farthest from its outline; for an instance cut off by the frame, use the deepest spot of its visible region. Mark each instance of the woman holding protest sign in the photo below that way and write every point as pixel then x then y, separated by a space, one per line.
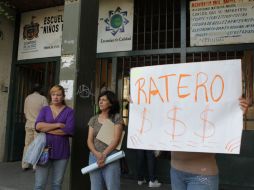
pixel 196 171
pixel 107 175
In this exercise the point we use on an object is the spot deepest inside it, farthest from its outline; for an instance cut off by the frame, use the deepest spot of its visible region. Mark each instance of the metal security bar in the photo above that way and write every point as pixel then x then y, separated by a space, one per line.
pixel 213 56
pixel 161 35
pixel 156 24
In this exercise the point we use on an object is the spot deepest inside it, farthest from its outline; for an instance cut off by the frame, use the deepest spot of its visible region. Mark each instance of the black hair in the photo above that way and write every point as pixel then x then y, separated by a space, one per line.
pixel 115 106
pixel 36 88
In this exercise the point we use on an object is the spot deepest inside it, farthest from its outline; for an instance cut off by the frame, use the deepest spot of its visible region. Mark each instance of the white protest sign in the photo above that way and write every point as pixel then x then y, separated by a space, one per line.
pixel 191 107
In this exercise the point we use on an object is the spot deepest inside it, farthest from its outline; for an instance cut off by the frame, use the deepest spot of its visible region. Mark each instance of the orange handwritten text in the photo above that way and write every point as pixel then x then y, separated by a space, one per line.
pixel 166 83
pixel 222 88
pixel 208 128
pixel 201 84
pixel 140 88
pixel 196 87
pixel 179 86
pixel 153 91
pixel 176 130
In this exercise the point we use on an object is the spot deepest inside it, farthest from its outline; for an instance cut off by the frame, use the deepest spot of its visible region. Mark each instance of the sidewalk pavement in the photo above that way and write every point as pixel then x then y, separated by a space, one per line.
pixel 13 178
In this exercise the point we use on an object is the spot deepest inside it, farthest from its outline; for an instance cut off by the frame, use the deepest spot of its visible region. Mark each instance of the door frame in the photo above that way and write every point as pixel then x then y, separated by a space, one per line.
pixel 10 131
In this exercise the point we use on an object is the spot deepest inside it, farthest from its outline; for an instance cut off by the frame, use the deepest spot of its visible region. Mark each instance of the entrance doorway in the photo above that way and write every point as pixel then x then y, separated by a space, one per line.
pixel 26 75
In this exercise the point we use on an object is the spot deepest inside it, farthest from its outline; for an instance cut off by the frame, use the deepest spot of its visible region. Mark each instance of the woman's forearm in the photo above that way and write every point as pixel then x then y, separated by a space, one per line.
pixel 90 143
pixel 57 132
pixel 92 147
pixel 46 127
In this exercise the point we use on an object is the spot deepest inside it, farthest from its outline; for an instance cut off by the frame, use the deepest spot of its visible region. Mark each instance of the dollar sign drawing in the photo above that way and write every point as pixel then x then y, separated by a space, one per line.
pixel 208 126
pixel 177 130
pixel 144 119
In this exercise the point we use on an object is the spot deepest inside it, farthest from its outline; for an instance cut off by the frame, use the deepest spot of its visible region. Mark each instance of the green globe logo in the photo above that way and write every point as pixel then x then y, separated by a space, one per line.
pixel 116 21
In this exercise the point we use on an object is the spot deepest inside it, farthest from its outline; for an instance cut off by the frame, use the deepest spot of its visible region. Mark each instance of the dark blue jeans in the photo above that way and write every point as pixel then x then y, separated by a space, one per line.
pixel 146 159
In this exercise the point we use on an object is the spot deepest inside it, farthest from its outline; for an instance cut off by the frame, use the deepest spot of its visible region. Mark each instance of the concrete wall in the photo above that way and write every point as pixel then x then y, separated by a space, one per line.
pixel 6 46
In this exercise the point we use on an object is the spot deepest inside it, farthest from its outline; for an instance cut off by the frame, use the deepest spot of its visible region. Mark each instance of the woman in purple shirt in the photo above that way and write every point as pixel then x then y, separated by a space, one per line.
pixel 57 121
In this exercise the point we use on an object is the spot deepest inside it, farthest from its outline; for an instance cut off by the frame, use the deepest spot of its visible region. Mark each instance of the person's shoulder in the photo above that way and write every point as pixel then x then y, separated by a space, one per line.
pixel 42 96
pixel 45 109
pixel 118 119
pixel 117 116
pixel 94 118
pixel 68 109
pixel 29 96
pixel 37 95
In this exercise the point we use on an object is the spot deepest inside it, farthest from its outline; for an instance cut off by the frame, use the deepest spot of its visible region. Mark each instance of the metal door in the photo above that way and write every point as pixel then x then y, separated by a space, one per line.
pixel 25 76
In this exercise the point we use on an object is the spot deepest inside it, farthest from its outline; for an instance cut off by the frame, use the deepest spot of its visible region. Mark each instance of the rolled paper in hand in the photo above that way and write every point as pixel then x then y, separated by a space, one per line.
pixel 109 159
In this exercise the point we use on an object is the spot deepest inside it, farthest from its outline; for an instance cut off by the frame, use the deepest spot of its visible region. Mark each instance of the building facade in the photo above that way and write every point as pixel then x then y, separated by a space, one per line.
pixel 6 47
pixel 161 35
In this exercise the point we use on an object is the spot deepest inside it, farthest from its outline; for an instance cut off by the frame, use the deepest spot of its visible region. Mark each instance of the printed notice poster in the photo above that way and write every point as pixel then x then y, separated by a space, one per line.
pixel 115 26
pixel 68 88
pixel 217 22
pixel 67 61
pixel 41 33
pixel 190 107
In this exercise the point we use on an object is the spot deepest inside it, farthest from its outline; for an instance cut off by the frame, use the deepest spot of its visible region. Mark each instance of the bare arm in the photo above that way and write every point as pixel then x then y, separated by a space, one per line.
pixel 90 143
pixel 46 127
pixel 99 156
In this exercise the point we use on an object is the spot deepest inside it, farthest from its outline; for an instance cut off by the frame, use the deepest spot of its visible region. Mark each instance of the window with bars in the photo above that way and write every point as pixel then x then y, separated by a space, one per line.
pixel 157 27
pixel 156 24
